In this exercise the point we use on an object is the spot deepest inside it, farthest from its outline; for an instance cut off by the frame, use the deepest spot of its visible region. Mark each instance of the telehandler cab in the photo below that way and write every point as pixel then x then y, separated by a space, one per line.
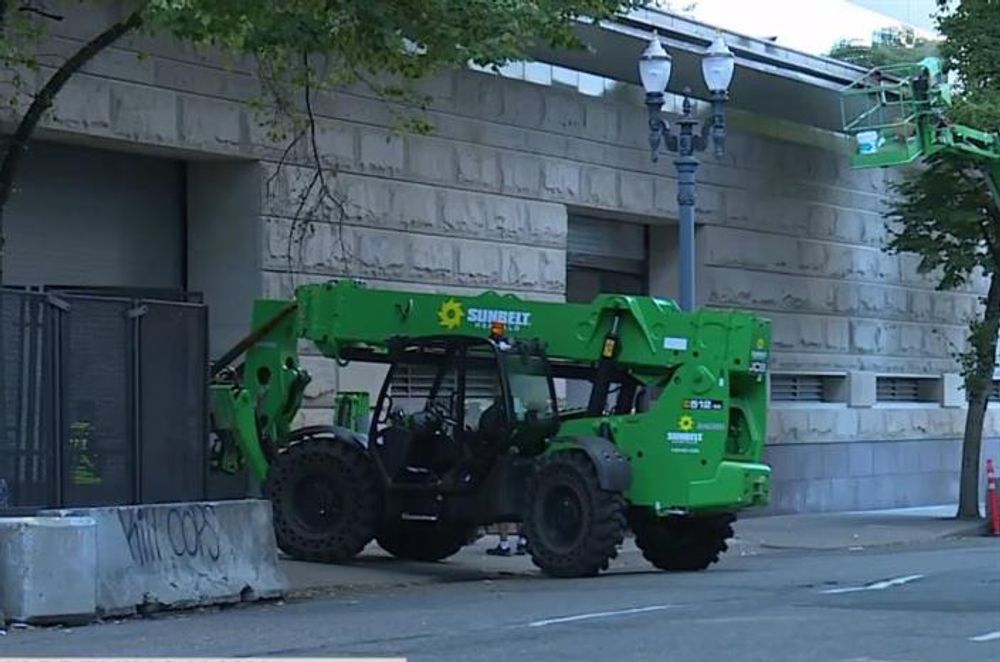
pixel 467 429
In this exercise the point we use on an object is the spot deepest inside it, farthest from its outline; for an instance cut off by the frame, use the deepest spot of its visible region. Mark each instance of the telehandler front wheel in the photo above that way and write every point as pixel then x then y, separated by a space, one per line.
pixel 573 526
pixel 326 499
pixel 417 540
pixel 683 543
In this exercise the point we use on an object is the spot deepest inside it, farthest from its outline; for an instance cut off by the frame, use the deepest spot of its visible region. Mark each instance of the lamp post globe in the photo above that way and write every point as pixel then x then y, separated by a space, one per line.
pixel 717 66
pixel 655 66
pixel 685 139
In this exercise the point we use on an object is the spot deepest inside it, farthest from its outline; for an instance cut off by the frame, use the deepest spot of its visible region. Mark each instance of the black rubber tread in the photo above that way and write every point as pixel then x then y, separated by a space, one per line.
pixel 417 540
pixel 604 520
pixel 348 467
pixel 683 543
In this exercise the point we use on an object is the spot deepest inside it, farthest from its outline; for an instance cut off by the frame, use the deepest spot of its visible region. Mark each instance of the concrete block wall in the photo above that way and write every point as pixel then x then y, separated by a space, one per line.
pixel 862 475
pixel 415 233
pixel 483 202
pixel 897 455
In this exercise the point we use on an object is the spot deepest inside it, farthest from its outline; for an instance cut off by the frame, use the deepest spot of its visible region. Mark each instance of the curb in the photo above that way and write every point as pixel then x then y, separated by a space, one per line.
pixel 966 530
pixel 972 529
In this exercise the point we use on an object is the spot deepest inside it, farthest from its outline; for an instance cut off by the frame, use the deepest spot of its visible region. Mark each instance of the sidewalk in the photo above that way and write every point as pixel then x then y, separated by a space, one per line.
pixel 375 569
pixel 869 528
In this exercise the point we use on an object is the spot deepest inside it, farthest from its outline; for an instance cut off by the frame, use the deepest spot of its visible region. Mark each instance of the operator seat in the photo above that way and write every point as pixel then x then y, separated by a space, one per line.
pixel 491 420
pixel 433 449
pixel 492 432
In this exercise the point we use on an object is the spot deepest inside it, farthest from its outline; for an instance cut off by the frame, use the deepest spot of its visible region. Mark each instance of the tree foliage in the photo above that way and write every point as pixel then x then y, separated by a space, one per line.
pixel 300 48
pixel 887 48
pixel 947 212
pixel 972 51
pixel 320 45
pixel 411 38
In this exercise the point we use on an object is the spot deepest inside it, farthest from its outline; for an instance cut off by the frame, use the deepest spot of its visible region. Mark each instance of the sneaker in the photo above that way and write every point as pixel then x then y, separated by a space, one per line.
pixel 499 551
pixel 522 548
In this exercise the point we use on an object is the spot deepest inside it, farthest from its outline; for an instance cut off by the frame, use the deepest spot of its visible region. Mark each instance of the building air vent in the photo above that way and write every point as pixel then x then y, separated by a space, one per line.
pixel 905 389
pixel 797 388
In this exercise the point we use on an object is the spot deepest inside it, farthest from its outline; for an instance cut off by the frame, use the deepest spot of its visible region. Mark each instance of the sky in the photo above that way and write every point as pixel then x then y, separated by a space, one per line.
pixel 918 12
pixel 812 26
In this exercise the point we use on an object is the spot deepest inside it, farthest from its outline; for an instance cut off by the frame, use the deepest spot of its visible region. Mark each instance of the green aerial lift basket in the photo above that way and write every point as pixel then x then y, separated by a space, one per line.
pixel 898 114
pixel 884 111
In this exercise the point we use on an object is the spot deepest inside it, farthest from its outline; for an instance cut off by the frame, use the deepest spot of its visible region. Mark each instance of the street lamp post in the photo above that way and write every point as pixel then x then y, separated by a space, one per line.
pixel 687 138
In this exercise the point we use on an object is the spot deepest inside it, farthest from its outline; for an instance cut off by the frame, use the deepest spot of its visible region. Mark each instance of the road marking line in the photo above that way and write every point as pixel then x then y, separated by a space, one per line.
pixel 989 636
pixel 876 586
pixel 596 614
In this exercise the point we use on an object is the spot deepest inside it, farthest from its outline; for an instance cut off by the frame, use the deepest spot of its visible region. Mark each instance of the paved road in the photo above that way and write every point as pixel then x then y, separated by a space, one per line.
pixel 932 603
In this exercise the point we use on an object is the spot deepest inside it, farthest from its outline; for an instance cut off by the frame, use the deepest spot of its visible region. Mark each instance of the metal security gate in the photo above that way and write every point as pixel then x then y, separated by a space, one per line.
pixel 27 402
pixel 103 398
pixel 605 256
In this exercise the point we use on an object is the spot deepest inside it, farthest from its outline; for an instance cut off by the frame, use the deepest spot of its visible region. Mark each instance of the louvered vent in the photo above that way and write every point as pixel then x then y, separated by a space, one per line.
pixel 901 389
pixel 796 388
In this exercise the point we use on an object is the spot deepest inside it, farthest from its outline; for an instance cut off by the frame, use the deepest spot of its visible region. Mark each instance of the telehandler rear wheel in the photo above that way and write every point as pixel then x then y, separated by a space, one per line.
pixel 573 527
pixel 326 499
pixel 423 541
pixel 683 543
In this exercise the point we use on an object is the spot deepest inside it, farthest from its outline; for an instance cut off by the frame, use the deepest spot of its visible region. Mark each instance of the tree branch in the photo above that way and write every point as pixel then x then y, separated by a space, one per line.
pixel 991 185
pixel 31 9
pixel 300 226
pixel 17 143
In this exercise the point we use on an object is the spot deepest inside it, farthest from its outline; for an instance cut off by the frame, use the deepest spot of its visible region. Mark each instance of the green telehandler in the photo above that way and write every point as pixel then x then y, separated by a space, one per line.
pixel 467 429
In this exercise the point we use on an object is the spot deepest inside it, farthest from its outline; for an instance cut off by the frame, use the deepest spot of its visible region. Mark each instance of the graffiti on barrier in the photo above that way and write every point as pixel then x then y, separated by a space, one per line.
pixel 155 533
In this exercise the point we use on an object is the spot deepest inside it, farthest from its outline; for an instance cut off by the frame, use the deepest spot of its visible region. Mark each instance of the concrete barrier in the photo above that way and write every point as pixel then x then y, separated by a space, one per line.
pixel 179 555
pixel 47 569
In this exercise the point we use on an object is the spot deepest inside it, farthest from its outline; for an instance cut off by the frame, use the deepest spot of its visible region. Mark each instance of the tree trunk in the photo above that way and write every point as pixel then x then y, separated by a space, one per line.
pixel 978 388
pixel 968 495
pixel 16 144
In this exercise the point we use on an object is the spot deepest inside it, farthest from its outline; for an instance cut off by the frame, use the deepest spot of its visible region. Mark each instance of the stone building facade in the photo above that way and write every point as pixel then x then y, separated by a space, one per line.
pixel 507 193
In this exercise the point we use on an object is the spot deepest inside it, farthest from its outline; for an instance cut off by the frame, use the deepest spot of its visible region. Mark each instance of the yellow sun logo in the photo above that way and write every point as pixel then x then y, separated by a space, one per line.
pixel 450 314
pixel 760 343
pixel 685 423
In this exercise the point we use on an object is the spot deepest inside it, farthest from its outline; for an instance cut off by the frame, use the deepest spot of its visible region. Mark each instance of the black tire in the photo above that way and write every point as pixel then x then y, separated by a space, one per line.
pixel 573 527
pixel 416 540
pixel 326 499
pixel 683 543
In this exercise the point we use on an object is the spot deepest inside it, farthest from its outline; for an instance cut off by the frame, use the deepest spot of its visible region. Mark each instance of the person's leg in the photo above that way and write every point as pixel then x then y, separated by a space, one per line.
pixel 522 542
pixel 503 548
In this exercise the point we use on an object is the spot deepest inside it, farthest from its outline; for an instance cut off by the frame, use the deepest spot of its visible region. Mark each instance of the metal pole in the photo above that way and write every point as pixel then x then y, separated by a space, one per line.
pixel 684 143
pixel 686 167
